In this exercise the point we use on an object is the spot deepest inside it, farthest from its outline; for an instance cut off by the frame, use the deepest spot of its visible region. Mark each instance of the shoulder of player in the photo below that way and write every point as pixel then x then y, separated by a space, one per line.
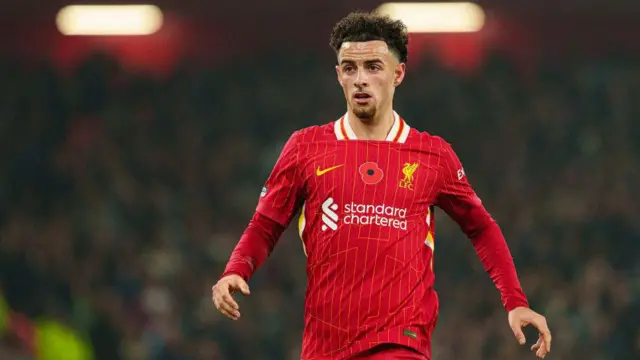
pixel 314 133
pixel 432 141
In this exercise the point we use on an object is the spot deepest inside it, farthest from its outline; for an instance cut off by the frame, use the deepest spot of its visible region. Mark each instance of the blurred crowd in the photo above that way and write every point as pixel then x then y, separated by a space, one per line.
pixel 122 196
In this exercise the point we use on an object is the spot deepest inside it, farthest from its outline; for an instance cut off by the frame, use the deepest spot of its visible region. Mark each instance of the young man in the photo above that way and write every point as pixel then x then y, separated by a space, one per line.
pixel 366 186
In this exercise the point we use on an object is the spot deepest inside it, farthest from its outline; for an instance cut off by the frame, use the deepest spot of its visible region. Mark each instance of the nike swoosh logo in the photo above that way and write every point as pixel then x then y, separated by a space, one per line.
pixel 322 172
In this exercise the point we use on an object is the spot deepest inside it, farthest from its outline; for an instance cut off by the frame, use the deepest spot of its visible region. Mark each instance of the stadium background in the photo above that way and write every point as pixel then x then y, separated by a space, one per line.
pixel 130 165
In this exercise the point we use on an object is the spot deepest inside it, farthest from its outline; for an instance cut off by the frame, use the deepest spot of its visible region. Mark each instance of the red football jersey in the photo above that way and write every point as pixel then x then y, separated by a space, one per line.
pixel 367 228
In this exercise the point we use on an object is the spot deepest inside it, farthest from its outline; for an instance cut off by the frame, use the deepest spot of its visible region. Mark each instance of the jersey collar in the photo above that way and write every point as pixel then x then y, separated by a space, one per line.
pixel 399 131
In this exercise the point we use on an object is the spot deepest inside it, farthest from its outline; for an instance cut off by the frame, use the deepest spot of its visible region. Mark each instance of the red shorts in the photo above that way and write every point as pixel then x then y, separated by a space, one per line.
pixel 389 352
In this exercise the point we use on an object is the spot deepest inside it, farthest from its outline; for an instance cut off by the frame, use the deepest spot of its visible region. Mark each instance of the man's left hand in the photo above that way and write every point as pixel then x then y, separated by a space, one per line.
pixel 521 317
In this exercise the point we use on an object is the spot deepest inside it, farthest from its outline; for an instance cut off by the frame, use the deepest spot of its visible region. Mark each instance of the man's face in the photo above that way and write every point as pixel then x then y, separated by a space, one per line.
pixel 368 73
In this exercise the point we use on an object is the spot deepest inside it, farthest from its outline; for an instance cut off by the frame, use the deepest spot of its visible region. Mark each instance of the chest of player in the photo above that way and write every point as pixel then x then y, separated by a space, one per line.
pixel 372 172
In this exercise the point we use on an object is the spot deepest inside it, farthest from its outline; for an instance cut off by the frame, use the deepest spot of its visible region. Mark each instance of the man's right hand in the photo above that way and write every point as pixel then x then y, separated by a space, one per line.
pixel 223 295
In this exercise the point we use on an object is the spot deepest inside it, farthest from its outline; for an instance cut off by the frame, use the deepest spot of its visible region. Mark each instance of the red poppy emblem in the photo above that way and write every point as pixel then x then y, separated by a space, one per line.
pixel 371 173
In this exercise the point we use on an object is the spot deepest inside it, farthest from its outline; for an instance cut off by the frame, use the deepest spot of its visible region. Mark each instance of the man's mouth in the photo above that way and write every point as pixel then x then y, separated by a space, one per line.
pixel 362 98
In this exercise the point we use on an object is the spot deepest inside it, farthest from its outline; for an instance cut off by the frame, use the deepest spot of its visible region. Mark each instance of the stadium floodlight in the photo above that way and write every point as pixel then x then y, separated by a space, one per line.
pixel 109 20
pixel 453 17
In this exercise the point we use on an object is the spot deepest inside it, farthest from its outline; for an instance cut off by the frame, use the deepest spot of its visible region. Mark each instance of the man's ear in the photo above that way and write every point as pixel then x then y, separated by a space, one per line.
pixel 338 75
pixel 399 72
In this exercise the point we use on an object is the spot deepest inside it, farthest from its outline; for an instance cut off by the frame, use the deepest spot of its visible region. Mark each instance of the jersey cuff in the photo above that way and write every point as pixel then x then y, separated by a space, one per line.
pixel 512 304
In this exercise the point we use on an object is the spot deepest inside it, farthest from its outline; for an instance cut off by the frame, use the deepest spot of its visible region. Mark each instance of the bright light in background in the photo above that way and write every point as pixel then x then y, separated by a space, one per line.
pixel 453 17
pixel 109 19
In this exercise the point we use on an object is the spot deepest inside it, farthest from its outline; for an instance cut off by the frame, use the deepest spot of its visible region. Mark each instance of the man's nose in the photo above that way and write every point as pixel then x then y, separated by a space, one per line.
pixel 361 78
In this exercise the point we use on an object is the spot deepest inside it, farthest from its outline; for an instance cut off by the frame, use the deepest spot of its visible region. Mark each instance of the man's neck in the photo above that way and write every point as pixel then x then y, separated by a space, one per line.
pixel 377 128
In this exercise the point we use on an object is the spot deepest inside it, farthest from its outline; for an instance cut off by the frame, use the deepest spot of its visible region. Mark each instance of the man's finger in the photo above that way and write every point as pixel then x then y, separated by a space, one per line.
pixel 235 314
pixel 230 305
pixel 225 309
pixel 541 325
pixel 538 343
pixel 541 353
pixel 244 288
pixel 240 284
pixel 547 340
pixel 227 314
pixel 517 331
pixel 227 298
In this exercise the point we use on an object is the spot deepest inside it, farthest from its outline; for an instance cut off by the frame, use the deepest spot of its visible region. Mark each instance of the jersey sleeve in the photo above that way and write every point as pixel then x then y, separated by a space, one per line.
pixel 461 203
pixel 282 194
pixel 255 245
pixel 456 197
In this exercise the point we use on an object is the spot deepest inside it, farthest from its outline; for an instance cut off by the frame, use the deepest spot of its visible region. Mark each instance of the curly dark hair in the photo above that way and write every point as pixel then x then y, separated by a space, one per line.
pixel 369 26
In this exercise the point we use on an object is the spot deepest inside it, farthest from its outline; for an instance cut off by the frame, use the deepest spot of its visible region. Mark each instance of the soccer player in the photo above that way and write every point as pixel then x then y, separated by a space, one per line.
pixel 365 186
